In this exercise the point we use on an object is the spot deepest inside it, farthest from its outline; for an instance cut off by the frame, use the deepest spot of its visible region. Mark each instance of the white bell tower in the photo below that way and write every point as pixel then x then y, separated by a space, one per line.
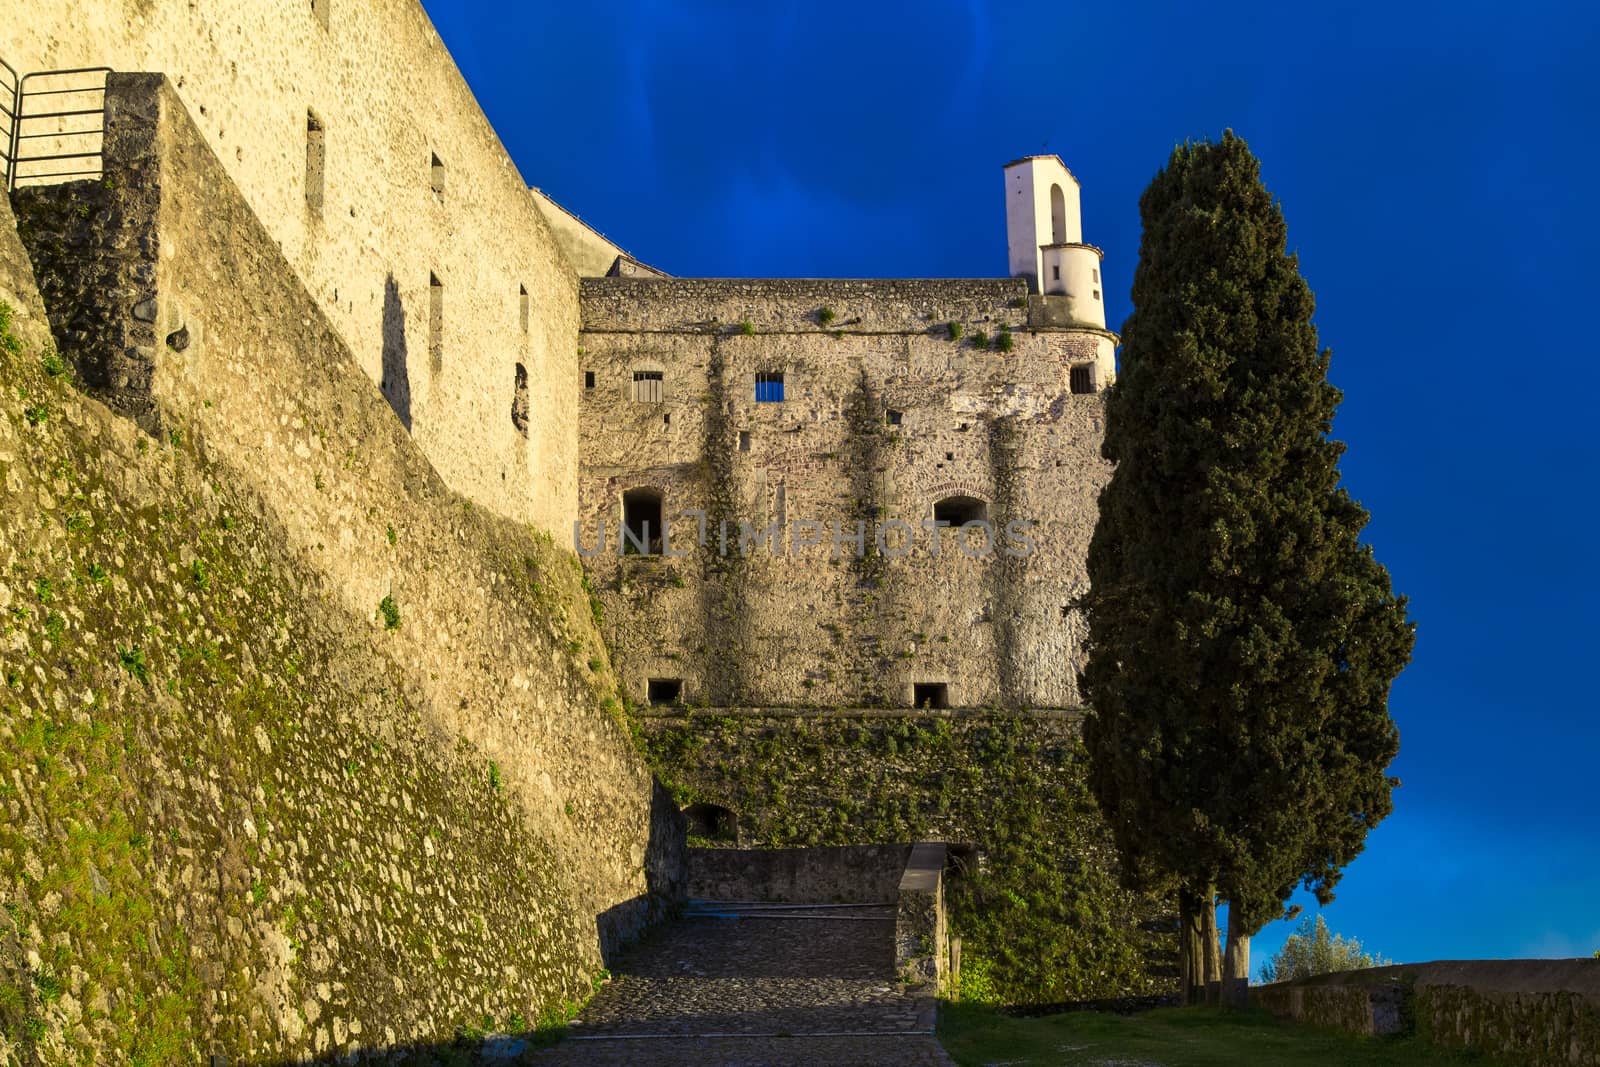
pixel 1044 237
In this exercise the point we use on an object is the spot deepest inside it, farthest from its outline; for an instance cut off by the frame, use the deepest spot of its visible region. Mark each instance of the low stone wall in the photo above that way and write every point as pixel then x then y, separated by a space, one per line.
pixel 1543 1012
pixel 853 874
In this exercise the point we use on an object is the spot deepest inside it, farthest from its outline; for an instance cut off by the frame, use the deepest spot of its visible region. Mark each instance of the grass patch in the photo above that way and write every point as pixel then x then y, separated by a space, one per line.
pixel 1173 1037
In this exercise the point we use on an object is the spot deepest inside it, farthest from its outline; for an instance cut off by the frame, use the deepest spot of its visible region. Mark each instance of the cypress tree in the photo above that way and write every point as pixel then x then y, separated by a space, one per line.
pixel 1242 640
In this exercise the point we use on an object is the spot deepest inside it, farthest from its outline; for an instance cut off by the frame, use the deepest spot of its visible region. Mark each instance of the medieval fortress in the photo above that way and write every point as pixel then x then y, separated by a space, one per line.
pixel 553 379
pixel 446 568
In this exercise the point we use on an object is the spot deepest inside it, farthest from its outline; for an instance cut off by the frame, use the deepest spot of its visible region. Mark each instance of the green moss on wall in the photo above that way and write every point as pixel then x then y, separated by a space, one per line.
pixel 225 821
pixel 1041 916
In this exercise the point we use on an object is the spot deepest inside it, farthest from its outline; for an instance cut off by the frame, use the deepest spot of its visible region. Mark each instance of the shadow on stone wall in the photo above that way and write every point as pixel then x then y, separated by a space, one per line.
pixel 665 876
pixel 396 382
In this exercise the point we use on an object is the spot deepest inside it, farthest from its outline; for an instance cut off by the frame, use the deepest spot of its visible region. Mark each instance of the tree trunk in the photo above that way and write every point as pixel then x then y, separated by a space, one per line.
pixel 1211 943
pixel 1191 946
pixel 1236 962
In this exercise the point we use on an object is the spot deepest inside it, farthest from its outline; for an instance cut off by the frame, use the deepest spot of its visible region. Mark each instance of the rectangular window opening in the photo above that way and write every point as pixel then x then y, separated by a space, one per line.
pixel 1055 272
pixel 893 417
pixel 647 386
pixel 769 387
pixel 930 695
pixel 316 162
pixel 664 691
pixel 522 306
pixel 588 379
pixel 744 440
pixel 437 176
pixel 1081 379
pixel 1096 272
pixel 1097 294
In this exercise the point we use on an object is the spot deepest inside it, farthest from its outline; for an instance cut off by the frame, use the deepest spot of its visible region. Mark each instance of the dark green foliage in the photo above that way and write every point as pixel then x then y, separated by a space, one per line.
pixel 1003 341
pixel 954 329
pixel 980 339
pixel 825 315
pixel 1242 639
pixel 390 612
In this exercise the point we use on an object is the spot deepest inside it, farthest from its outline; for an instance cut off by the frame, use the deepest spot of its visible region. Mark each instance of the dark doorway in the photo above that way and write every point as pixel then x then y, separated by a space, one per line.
pixel 712 822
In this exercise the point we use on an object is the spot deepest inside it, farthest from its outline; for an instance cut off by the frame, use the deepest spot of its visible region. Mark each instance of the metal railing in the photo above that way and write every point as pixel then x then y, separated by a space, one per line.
pixel 9 87
pixel 58 126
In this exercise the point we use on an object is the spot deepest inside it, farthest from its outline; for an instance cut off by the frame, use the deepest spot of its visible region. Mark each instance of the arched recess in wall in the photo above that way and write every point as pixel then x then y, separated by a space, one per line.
pixel 519 401
pixel 960 510
pixel 1058 215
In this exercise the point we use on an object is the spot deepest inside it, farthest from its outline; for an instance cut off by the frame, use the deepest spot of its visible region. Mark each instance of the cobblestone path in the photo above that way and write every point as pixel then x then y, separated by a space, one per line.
pixel 758 985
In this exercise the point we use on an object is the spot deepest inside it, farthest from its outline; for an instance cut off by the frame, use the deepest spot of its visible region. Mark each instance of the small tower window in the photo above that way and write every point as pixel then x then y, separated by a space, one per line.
pixel 316 161
pixel 769 387
pixel 522 306
pixel 1096 272
pixel 438 176
pixel 647 386
pixel 1055 272
pixel 1058 215
pixel 930 695
pixel 435 323
pixel 519 401
pixel 1097 294
pixel 1081 379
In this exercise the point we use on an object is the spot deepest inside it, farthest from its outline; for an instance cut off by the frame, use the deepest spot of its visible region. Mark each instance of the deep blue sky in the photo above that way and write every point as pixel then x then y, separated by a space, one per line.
pixel 1436 163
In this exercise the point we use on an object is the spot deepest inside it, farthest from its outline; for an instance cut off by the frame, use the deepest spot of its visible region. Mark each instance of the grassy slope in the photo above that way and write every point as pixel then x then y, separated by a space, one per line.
pixel 1172 1037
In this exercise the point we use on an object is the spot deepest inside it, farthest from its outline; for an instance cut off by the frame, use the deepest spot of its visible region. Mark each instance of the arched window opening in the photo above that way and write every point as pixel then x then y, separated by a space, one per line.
pixel 960 510
pixel 1058 215
pixel 641 522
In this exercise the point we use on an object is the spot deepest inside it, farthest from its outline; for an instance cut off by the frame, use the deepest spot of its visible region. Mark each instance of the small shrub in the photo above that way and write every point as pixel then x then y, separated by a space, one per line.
pixel 1005 342
pixel 53 364
pixel 496 782
pixel 132 660
pixel 825 315
pixel 747 328
pixel 980 339
pixel 954 329
pixel 393 537
pixel 390 612
pixel 36 413
pixel 197 571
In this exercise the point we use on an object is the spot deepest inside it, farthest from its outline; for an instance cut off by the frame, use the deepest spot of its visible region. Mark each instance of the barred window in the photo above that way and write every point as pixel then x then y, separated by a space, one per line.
pixel 647 386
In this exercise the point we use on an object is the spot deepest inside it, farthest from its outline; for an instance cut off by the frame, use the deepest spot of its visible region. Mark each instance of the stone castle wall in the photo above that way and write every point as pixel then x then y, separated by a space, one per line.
pixel 347 746
pixel 378 80
pixel 883 415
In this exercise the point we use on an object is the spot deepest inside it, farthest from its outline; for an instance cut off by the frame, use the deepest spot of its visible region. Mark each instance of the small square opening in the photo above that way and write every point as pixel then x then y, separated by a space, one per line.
pixel 1081 379
pixel 744 440
pixel 930 695
pixel 769 387
pixel 663 692
pixel 893 417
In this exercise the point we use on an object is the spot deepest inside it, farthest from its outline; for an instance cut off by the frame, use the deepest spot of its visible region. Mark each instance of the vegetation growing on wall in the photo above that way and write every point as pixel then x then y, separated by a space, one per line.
pixel 1041 916
pixel 214 793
